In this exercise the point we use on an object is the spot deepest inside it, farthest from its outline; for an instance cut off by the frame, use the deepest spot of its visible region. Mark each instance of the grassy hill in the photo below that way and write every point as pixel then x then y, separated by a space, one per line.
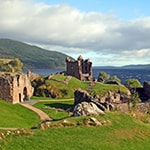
pixel 124 133
pixel 146 66
pixel 31 56
pixel 56 83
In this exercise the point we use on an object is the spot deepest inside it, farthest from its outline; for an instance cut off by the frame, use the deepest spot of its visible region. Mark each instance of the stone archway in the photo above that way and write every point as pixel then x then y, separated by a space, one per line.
pixel 25 94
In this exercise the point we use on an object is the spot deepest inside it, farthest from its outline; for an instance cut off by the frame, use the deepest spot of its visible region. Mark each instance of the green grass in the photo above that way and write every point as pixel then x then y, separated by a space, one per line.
pixel 59 77
pixel 40 98
pixel 67 90
pixel 123 134
pixel 16 116
pixel 103 89
pixel 54 113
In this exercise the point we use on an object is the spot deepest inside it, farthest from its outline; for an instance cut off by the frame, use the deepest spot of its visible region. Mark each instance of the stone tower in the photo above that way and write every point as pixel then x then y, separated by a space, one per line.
pixel 81 69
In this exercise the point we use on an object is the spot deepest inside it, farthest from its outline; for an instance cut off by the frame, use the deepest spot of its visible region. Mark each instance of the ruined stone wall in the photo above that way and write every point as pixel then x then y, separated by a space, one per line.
pixel 86 72
pixel 73 69
pixel 22 89
pixel 32 76
pixel 15 87
pixel 80 69
pixel 146 87
pixel 5 89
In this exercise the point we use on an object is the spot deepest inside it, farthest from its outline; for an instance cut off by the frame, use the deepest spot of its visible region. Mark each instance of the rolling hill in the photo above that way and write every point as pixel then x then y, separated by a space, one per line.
pixel 140 66
pixel 31 56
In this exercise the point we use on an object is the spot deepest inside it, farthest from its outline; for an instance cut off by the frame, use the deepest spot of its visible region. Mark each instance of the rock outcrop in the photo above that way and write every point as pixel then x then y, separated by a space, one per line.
pixel 87 109
pixel 86 105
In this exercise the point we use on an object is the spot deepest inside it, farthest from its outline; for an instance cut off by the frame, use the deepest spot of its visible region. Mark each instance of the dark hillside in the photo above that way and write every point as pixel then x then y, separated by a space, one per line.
pixel 31 56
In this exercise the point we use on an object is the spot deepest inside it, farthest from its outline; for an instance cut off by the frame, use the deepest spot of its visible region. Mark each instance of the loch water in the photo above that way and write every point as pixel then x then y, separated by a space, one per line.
pixel 123 74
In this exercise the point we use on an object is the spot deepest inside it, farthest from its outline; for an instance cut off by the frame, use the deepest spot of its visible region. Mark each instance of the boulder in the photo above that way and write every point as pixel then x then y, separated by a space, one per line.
pixel 87 109
pixel 93 122
pixel 81 96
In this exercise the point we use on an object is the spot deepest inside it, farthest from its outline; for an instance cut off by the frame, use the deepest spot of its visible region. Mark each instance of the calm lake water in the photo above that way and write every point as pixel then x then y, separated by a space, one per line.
pixel 140 74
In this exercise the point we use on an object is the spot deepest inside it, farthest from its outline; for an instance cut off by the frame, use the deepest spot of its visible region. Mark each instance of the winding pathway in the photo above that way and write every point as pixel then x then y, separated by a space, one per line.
pixel 43 116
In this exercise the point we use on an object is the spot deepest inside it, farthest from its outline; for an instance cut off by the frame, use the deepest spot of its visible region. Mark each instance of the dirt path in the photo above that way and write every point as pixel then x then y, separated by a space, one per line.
pixel 43 116
pixel 12 129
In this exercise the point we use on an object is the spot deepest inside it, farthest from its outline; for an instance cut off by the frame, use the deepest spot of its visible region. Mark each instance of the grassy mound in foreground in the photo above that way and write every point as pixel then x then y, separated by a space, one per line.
pixel 124 133
pixel 16 116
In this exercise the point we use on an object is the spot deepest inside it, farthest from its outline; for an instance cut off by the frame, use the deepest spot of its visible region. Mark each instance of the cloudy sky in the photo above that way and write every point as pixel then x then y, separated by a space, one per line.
pixel 109 32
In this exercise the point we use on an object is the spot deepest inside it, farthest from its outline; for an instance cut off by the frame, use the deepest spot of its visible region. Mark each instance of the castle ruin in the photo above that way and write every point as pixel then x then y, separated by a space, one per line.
pixel 81 69
pixel 15 87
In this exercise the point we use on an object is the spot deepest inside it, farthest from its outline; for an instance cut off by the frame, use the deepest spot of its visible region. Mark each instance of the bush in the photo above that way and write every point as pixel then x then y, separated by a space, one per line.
pixel 115 78
pixel 103 76
pixel 9 65
pixel 132 83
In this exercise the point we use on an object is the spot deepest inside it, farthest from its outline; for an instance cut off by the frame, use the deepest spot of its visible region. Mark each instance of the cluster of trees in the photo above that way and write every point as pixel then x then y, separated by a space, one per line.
pixel 129 83
pixel 11 65
pixel 104 77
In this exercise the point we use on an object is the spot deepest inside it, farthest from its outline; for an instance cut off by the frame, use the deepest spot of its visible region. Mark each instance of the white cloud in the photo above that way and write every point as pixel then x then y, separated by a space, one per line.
pixel 66 29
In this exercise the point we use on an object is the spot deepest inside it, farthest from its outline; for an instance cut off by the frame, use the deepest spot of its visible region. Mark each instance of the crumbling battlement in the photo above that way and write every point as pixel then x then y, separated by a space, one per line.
pixel 81 69
pixel 15 87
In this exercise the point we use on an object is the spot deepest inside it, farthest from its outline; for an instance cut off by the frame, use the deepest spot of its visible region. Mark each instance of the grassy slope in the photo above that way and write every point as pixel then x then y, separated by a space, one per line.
pixel 124 133
pixel 54 114
pixel 31 56
pixel 16 116
pixel 69 88
pixel 74 84
pixel 103 89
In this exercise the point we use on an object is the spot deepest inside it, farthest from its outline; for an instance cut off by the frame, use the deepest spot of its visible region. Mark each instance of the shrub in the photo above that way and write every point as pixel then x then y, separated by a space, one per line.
pixel 132 83
pixel 115 78
pixel 103 76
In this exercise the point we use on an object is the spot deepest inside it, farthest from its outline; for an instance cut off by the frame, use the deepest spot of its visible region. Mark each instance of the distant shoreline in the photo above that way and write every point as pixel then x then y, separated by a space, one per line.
pixel 123 73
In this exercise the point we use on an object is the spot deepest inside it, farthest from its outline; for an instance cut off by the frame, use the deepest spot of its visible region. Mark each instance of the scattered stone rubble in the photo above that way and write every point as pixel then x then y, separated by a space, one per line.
pixel 17 132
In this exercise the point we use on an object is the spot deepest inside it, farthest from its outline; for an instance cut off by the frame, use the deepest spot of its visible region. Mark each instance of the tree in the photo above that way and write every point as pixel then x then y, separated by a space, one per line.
pixel 132 83
pixel 16 64
pixel 115 78
pixel 10 65
pixel 103 76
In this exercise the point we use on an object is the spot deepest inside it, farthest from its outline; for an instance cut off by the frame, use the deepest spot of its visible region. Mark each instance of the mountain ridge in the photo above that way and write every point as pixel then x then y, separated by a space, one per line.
pixel 32 56
pixel 138 66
